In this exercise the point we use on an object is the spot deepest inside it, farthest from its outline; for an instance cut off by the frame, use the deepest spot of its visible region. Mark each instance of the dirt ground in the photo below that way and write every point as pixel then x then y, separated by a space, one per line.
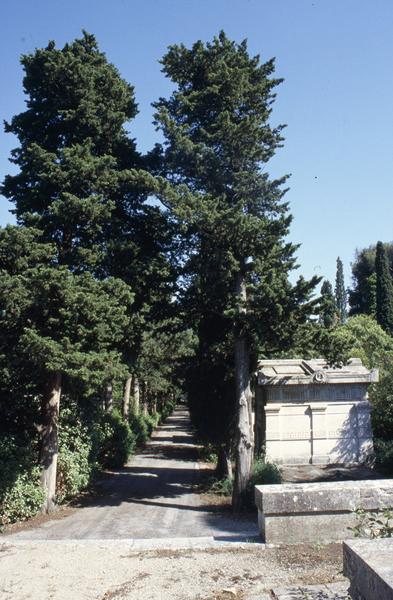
pixel 112 570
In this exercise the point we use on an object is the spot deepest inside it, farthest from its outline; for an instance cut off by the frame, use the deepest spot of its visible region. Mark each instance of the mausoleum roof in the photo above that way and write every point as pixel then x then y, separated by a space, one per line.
pixel 316 371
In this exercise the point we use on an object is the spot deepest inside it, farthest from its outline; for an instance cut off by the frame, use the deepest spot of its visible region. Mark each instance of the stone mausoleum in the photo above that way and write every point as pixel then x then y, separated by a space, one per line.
pixel 307 412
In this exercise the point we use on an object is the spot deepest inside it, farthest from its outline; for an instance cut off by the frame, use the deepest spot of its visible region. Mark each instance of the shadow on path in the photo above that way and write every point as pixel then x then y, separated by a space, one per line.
pixel 155 495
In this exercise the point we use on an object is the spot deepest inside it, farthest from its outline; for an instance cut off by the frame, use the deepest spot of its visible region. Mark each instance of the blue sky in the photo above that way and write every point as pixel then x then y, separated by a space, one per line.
pixel 337 97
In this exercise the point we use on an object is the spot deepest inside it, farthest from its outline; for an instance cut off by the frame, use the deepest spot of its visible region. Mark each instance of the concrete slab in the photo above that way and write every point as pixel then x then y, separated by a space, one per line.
pixel 369 566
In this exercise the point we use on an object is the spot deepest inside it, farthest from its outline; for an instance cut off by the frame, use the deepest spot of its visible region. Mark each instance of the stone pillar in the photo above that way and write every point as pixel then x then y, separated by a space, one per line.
pixel 272 416
pixel 319 454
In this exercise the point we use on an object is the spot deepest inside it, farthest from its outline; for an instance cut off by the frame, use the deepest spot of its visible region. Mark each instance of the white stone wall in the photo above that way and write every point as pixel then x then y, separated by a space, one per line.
pixel 304 428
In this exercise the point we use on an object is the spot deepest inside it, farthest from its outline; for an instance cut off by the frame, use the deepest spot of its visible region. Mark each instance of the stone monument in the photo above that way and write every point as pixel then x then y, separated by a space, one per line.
pixel 307 412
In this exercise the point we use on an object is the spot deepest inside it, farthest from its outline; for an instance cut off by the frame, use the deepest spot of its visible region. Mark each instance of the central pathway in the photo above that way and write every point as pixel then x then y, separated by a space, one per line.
pixel 154 496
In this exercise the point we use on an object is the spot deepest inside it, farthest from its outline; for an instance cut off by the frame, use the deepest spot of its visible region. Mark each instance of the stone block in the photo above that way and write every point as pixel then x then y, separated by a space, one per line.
pixel 368 564
pixel 292 513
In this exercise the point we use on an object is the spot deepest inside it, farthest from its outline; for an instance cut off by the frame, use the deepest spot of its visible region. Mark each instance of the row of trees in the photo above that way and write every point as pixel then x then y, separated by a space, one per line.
pixel 153 275
pixel 105 290
pixel 367 333
pixel 88 274
pixel 372 292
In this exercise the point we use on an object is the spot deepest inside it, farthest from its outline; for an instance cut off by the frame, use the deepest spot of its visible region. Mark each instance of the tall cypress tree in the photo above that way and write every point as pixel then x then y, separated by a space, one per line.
pixel 76 163
pixel 217 136
pixel 384 290
pixel 74 153
pixel 340 292
pixel 328 311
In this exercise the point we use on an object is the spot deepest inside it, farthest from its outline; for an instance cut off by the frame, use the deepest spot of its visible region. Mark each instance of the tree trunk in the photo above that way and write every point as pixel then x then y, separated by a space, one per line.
pixel 154 404
pixel 135 395
pixel 126 399
pixel 49 439
pixel 244 449
pixel 108 398
pixel 224 463
pixel 145 406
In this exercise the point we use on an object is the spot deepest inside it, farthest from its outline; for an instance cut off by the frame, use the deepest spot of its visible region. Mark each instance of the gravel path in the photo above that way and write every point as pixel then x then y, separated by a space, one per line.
pixel 154 496
pixel 114 570
pixel 148 535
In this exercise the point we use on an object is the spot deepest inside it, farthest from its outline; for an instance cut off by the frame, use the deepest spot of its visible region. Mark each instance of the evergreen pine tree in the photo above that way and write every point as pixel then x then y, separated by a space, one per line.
pixel 328 310
pixel 56 325
pixel 74 154
pixel 76 162
pixel 217 136
pixel 362 296
pixel 384 290
pixel 340 292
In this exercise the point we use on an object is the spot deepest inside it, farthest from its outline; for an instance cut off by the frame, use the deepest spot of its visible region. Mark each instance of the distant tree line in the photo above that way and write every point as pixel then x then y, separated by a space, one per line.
pixel 367 333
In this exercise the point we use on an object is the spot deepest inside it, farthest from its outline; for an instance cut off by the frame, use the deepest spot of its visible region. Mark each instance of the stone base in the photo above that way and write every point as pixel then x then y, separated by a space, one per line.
pixel 369 566
pixel 293 513
pixel 310 528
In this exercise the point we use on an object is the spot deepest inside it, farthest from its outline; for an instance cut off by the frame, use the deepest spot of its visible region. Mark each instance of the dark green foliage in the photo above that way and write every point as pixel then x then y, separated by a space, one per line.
pixel 362 337
pixel 166 409
pixel 336 346
pixel 74 151
pixel 263 473
pixel 76 463
pixel 381 396
pixel 21 496
pixel 328 310
pixel 217 136
pixel 152 422
pixel 222 487
pixel 85 237
pixel 340 292
pixel 362 297
pixel 54 320
pixel 142 426
pixel 384 454
pixel 139 428
pixel 165 348
pixel 117 440
pixel 384 290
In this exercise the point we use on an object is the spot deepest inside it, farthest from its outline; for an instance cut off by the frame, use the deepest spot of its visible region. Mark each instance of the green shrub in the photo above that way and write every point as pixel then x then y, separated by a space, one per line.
pixel 21 495
pixel 208 453
pixel 139 428
pixel 263 473
pixel 143 426
pixel 117 440
pixel 167 409
pixel 373 524
pixel 222 487
pixel 23 499
pixel 76 461
pixel 151 422
pixel 384 454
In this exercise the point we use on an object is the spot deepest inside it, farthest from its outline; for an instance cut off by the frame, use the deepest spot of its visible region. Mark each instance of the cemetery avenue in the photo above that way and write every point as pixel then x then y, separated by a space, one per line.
pixel 153 496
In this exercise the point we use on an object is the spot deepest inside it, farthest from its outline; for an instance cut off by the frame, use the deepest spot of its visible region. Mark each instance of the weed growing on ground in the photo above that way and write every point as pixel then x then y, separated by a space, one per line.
pixel 373 525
